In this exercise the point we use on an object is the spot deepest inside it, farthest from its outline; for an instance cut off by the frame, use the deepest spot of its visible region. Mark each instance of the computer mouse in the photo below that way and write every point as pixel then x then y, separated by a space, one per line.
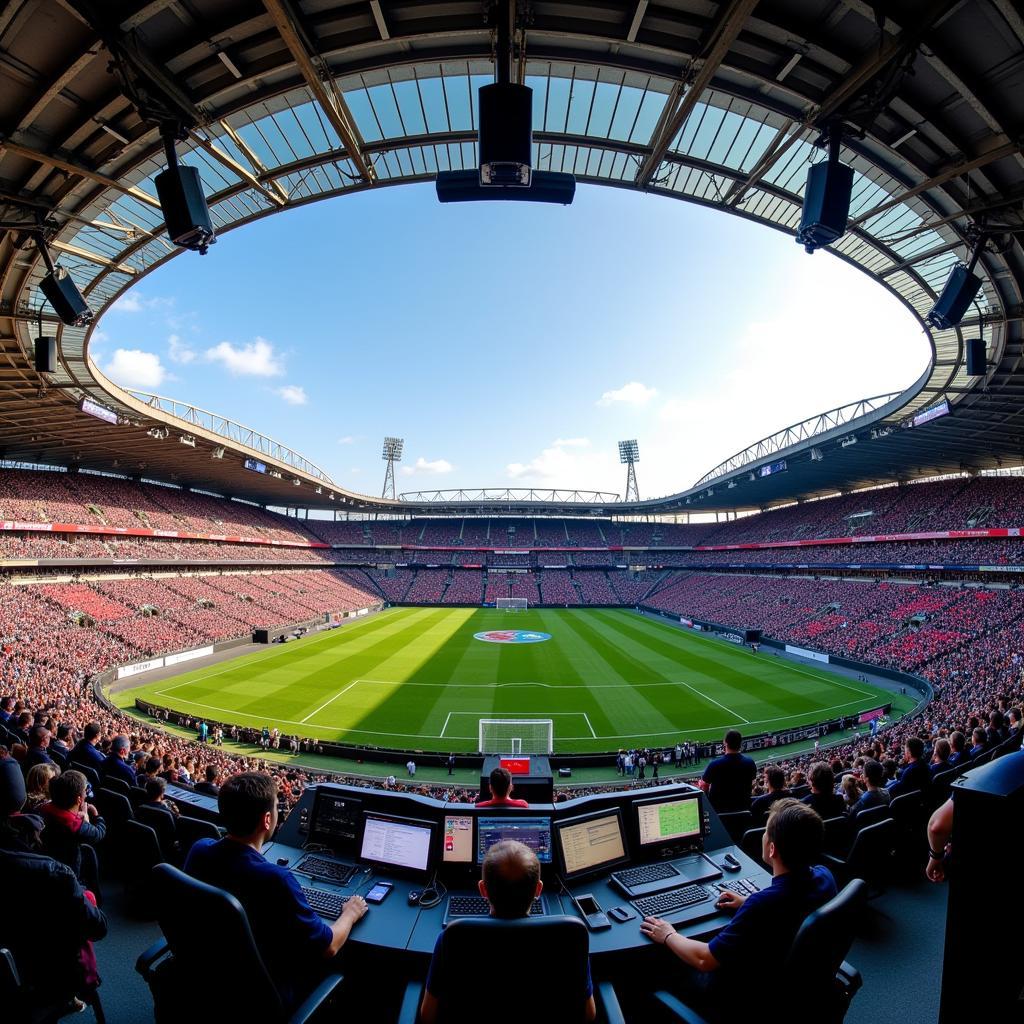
pixel 282 862
pixel 414 897
pixel 731 863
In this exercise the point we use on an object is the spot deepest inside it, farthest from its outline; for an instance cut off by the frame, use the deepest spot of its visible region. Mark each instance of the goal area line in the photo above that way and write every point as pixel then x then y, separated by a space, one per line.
pixel 527 716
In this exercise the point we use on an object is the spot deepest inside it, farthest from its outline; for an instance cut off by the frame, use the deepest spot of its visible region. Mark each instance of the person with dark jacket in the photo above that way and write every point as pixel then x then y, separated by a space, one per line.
pixel 59 744
pixel 70 822
pixel 823 797
pixel 211 784
pixel 727 779
pixel 116 764
pixel 38 742
pixel 875 793
pixel 775 779
pixel 958 757
pixel 914 774
pixel 49 920
pixel 85 750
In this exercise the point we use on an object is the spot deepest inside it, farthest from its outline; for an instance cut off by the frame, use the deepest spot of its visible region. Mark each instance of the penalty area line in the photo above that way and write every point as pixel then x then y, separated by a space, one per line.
pixel 712 700
pixel 331 701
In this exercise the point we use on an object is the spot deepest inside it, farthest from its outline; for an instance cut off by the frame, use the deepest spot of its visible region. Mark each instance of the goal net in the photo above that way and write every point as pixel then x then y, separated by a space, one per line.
pixel 516 735
pixel 512 604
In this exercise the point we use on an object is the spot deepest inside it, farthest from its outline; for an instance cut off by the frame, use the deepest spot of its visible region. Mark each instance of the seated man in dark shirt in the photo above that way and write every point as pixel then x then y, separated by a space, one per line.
pixel 86 750
pixel 510 883
pixel 914 774
pixel 501 787
pixel 958 750
pixel 293 941
pixel 941 754
pixel 211 784
pixel 823 797
pixel 727 779
pixel 117 764
pixel 775 778
pixel 738 963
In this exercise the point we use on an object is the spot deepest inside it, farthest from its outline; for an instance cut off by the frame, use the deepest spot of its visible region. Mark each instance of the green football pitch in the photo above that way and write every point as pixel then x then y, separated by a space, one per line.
pixel 418 678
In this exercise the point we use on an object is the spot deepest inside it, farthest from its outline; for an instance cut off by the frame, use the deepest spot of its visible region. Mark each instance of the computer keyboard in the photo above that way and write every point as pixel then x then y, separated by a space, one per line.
pixel 477 906
pixel 644 874
pixel 675 899
pixel 744 886
pixel 326 904
pixel 328 870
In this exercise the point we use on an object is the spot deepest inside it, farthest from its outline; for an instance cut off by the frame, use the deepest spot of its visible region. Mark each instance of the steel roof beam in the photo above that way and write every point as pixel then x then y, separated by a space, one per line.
pixel 271 194
pixel 333 106
pixel 730 23
pixel 71 168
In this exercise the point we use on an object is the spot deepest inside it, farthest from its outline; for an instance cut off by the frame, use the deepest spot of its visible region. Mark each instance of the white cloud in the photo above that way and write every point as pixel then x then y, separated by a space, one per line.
pixel 256 359
pixel 130 302
pixel 133 368
pixel 434 466
pixel 293 394
pixel 347 439
pixel 569 463
pixel 98 337
pixel 633 393
pixel 178 350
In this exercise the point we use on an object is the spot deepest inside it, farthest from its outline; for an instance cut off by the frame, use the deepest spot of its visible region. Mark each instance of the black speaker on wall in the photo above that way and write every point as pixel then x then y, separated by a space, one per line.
pixel 975 357
pixel 46 355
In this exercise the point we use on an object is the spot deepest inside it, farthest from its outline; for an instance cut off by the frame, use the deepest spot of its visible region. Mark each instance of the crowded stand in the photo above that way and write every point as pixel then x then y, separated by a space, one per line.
pixel 594 588
pixel 428 586
pixel 524 585
pixel 556 587
pixel 466 587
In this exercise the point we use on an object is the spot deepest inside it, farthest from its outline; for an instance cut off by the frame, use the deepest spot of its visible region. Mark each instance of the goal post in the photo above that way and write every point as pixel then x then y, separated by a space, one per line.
pixel 512 604
pixel 516 735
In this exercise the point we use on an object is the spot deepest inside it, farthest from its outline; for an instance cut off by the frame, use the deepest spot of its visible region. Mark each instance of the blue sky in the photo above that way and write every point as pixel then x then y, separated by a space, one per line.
pixel 510 344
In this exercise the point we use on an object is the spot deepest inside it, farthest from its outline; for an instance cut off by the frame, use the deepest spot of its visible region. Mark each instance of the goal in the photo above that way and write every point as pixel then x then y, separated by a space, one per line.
pixel 512 604
pixel 516 735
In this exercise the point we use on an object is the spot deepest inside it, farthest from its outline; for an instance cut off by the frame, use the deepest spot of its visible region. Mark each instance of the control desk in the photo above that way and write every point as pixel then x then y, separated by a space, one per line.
pixel 661 850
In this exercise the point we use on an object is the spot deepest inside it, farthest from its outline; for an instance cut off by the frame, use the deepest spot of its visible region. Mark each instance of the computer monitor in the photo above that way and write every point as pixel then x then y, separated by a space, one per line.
pixel 457 839
pixel 403 844
pixel 672 820
pixel 336 817
pixel 591 843
pixel 534 832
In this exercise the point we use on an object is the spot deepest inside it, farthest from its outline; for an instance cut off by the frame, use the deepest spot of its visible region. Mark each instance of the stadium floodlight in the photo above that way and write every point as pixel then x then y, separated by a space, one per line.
pixel 188 440
pixel 629 455
pixel 217 453
pixel 391 453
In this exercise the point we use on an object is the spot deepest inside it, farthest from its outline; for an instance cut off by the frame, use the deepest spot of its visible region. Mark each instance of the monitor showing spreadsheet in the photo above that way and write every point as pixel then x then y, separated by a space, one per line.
pixel 393 842
pixel 591 843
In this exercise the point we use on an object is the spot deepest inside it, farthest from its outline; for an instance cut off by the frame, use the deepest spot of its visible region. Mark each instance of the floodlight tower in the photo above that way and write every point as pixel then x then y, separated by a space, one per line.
pixel 391 454
pixel 629 455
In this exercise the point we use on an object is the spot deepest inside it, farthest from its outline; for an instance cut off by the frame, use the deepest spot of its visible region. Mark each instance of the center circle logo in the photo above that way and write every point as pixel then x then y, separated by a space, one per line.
pixel 512 636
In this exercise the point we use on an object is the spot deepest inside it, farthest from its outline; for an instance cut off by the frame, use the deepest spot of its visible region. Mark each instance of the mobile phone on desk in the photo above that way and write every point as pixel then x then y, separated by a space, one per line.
pixel 593 916
pixel 379 892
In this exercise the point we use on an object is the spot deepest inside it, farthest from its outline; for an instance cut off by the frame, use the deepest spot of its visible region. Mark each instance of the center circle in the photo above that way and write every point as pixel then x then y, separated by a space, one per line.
pixel 512 636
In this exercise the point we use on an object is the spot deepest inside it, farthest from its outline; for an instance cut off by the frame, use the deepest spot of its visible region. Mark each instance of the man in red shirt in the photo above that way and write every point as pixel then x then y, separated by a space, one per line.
pixel 501 787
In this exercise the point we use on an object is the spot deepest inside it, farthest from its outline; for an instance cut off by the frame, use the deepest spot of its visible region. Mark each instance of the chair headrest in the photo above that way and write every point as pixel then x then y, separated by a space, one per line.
pixel 12 787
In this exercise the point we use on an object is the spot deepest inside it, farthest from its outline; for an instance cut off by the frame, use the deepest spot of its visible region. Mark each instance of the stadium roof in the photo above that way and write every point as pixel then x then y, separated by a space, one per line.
pixel 290 101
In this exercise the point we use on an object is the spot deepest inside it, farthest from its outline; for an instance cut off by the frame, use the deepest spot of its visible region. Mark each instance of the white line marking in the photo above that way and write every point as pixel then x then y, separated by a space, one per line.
pixel 445 726
pixel 586 718
pixel 713 701
pixel 331 701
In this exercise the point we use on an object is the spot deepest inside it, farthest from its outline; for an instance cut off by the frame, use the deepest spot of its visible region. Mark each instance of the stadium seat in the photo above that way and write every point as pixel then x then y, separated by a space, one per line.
pixel 477 944
pixel 871 816
pixel 139 853
pixel 870 857
pixel 816 960
pixel 819 983
pixel 192 961
pixel 736 823
pixel 750 844
pixel 28 1005
pixel 910 813
pixel 163 824
pixel 189 830
pixel 117 785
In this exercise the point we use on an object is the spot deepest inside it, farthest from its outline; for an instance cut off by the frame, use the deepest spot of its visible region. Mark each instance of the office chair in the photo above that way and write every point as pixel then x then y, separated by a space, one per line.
pixel 750 844
pixel 207 939
pixel 30 1006
pixel 476 945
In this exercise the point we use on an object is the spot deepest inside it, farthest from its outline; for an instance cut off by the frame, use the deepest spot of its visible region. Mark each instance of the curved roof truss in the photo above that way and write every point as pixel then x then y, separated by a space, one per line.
pixel 719 104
